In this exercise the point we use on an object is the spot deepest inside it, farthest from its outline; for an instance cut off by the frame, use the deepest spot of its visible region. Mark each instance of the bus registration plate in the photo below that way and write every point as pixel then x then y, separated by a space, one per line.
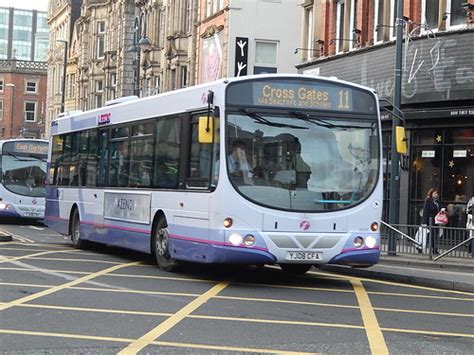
pixel 303 255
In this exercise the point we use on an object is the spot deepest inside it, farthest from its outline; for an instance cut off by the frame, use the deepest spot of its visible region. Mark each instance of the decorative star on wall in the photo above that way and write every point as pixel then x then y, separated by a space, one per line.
pixel 451 163
pixel 438 138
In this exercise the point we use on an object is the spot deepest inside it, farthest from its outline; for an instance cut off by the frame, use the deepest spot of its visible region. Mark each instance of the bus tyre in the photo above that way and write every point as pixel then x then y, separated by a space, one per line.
pixel 76 240
pixel 161 246
pixel 295 268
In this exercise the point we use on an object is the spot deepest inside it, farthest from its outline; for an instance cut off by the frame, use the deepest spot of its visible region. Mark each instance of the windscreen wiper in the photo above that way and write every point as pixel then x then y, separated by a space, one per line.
pixel 262 120
pixel 20 158
pixel 320 122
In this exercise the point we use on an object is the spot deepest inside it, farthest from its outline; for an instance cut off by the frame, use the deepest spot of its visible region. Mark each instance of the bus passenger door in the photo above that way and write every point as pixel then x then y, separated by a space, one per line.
pixel 102 158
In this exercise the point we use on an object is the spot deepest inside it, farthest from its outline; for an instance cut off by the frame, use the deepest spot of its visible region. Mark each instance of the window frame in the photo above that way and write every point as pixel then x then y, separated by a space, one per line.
pixel 35 82
pixel 100 39
pixel 25 112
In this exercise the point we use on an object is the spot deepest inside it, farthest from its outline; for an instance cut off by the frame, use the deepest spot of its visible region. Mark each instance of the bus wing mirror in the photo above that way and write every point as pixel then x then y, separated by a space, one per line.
pixel 401 140
pixel 206 129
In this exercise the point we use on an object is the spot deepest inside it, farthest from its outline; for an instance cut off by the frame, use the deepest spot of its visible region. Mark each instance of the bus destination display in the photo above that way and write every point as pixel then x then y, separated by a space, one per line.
pixel 303 96
pixel 26 148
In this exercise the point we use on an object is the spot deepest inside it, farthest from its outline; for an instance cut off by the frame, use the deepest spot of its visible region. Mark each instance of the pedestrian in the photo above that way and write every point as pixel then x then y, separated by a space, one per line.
pixel 430 210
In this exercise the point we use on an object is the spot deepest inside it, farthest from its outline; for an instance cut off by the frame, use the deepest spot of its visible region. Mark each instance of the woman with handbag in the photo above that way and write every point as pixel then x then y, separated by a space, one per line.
pixel 430 210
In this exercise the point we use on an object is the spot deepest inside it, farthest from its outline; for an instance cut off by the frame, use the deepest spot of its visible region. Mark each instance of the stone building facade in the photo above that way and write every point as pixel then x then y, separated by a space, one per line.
pixel 61 17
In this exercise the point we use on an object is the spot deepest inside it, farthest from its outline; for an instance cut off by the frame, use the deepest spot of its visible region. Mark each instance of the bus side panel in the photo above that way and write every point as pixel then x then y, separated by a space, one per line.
pixel 53 218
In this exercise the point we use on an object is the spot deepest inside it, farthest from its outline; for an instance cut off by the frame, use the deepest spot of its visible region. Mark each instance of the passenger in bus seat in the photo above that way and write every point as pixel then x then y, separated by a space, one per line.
pixel 238 165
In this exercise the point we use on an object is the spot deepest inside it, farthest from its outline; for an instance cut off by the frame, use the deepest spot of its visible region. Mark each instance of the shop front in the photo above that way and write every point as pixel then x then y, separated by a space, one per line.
pixel 437 101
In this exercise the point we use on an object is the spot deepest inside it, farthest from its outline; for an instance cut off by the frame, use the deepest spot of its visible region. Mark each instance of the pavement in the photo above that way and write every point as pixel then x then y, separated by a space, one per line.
pixel 416 269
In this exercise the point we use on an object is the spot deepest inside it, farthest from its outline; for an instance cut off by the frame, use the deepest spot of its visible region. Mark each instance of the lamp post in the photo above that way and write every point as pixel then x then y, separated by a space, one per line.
pixel 394 158
pixel 140 43
pixel 63 84
pixel 12 102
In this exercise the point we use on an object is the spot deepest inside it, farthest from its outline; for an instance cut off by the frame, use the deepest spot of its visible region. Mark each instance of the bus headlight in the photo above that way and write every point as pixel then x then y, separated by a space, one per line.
pixel 4 206
pixel 370 241
pixel 358 242
pixel 235 239
pixel 249 240
pixel 374 227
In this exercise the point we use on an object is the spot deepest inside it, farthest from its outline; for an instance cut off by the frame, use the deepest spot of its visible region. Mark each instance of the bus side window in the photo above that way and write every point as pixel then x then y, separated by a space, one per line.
pixel 200 159
pixel 167 150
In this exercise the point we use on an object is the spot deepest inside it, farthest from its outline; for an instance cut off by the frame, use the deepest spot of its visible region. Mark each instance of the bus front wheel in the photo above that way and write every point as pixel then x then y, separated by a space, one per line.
pixel 161 247
pixel 295 268
pixel 76 240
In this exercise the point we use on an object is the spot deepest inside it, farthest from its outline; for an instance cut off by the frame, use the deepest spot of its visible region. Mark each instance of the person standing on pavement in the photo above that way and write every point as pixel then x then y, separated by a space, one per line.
pixel 430 210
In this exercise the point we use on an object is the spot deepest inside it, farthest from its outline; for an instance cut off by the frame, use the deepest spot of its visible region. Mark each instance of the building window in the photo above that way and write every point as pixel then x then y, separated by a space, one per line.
pixel 265 57
pixel 113 86
pixel 308 18
pixel 31 87
pixel 213 6
pixel 1 84
pixel 99 90
pixel 72 86
pixel 457 13
pixel 100 46
pixel 454 13
pixel 354 25
pixel 340 19
pixel 1 109
pixel 430 14
pixel 184 77
pixel 30 111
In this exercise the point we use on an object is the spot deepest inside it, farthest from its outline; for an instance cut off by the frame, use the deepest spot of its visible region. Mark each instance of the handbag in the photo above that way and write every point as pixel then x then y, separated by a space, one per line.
pixel 441 218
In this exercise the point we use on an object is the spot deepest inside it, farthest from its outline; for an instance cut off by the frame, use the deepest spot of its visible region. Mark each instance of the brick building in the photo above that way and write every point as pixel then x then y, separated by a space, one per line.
pixel 22 98
pixel 355 41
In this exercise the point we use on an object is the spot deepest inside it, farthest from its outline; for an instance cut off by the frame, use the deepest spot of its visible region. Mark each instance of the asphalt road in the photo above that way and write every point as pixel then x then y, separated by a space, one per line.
pixel 56 299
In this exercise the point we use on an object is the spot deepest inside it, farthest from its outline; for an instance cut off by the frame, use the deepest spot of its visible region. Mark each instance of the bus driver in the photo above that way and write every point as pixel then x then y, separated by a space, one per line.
pixel 238 165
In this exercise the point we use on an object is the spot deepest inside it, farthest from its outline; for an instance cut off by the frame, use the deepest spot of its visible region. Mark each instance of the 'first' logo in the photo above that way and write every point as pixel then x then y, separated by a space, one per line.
pixel 104 118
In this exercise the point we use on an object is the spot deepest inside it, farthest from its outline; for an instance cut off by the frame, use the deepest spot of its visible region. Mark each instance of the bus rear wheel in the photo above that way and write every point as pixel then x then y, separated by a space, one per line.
pixel 76 240
pixel 295 268
pixel 161 246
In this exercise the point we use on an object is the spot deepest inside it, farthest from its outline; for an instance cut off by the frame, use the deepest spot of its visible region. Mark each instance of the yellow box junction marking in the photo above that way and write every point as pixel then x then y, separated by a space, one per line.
pixel 64 286
pixel 4 259
pixel 374 334
pixel 169 323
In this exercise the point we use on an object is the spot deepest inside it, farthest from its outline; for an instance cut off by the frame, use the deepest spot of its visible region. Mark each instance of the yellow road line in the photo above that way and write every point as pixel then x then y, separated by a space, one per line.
pixel 42 270
pixel 15 236
pixel 295 287
pixel 428 332
pixel 431 313
pixel 153 277
pixel 81 260
pixel 4 259
pixel 245 299
pixel 159 343
pixel 95 310
pixel 149 337
pixel 374 334
pixel 276 321
pixel 275 300
pixel 420 296
pixel 64 286
pixel 391 283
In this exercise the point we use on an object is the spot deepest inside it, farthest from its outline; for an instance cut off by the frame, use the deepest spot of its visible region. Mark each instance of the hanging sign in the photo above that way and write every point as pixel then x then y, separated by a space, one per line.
pixel 241 56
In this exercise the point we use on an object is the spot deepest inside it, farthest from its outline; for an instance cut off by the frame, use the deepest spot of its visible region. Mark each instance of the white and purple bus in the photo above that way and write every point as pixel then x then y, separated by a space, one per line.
pixel 267 169
pixel 22 177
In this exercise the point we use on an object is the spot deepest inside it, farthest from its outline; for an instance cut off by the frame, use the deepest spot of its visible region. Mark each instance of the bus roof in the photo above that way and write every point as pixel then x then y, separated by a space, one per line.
pixel 172 102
